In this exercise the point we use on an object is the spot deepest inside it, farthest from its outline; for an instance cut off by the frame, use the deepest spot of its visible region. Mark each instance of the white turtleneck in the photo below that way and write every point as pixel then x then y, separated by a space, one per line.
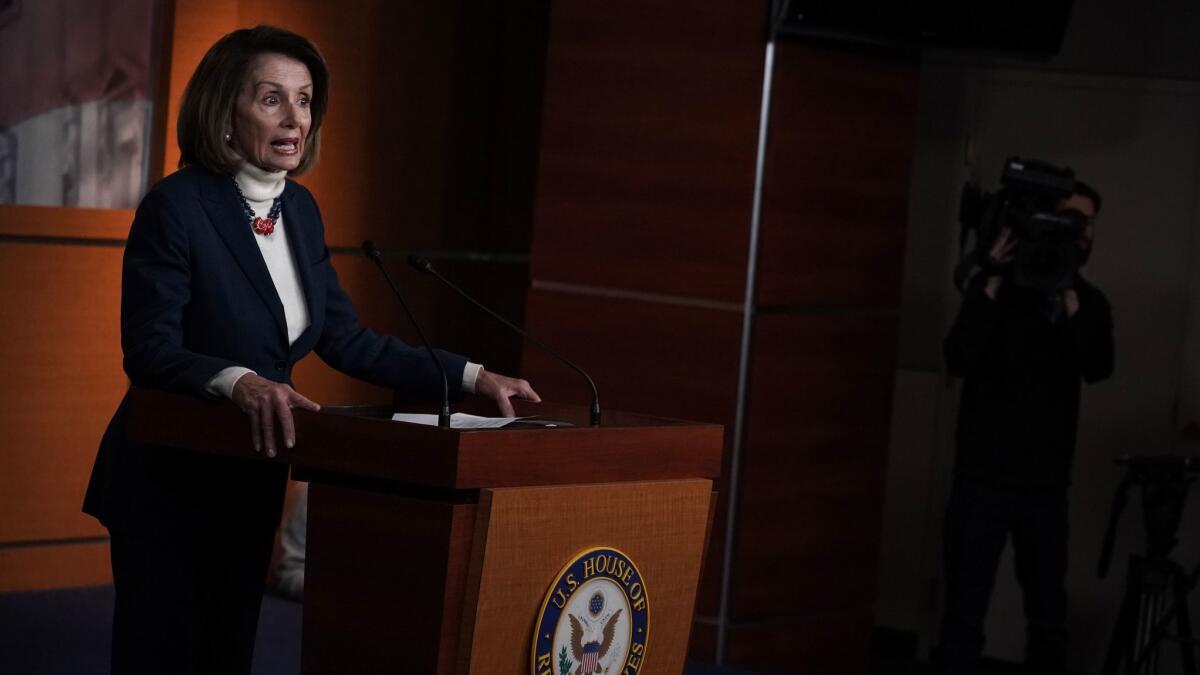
pixel 261 187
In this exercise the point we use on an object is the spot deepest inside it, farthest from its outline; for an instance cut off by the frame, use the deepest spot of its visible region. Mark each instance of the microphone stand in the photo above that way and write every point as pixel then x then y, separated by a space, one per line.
pixel 422 264
pixel 370 250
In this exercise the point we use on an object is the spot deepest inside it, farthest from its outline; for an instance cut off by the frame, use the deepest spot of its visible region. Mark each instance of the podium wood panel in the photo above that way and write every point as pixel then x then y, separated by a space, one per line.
pixel 383 570
pixel 526 535
pixel 440 458
pixel 397 543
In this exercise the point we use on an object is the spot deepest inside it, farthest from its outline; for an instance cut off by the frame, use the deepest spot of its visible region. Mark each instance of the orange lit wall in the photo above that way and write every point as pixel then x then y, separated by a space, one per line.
pixel 408 159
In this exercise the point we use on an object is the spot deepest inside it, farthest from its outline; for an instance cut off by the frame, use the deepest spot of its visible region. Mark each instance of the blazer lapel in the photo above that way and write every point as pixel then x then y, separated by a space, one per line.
pixel 298 232
pixel 221 204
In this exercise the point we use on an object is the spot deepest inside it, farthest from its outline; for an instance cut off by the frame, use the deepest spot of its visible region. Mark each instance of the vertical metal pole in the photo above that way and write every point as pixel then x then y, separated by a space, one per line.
pixel 739 420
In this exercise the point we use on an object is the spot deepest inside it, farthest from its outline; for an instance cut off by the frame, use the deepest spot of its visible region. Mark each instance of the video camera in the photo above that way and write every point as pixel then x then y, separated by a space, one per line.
pixel 1047 254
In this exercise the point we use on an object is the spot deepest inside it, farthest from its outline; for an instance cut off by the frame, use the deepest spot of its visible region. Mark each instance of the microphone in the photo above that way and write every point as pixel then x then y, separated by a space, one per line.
pixel 372 252
pixel 421 264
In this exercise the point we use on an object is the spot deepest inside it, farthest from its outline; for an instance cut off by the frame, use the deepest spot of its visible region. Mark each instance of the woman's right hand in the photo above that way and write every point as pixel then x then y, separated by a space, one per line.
pixel 267 402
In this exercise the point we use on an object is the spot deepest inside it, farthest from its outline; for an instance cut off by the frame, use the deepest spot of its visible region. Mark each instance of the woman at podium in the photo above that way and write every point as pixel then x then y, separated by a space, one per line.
pixel 226 284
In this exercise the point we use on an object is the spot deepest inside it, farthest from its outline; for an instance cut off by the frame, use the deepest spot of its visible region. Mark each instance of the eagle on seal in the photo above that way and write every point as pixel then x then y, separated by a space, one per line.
pixel 587 650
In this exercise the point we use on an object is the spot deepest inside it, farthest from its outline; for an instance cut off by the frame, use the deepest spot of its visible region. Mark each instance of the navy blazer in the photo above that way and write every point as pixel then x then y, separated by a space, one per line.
pixel 196 297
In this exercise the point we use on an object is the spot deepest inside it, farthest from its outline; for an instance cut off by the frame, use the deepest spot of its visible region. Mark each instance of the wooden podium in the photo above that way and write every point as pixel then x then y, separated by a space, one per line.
pixel 432 550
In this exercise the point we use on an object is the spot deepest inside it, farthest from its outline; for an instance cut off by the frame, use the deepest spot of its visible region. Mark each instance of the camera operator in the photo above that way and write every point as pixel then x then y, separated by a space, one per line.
pixel 1022 352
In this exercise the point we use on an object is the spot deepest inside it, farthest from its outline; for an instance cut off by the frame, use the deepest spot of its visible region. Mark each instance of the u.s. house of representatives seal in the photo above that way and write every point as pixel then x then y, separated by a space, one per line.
pixel 594 618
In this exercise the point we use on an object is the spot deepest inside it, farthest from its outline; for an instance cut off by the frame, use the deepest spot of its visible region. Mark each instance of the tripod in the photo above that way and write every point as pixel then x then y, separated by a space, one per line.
pixel 1156 586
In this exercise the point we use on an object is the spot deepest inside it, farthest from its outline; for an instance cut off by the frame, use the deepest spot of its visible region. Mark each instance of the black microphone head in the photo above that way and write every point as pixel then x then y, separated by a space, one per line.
pixel 371 251
pixel 420 263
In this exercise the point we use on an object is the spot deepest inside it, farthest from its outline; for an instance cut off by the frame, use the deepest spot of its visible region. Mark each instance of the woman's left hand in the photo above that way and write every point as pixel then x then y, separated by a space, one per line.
pixel 500 388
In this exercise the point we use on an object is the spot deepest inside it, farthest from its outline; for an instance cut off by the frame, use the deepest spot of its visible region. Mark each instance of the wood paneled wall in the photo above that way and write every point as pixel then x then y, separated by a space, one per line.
pixel 639 256
pixel 643 207
pixel 62 380
pixel 650 118
pixel 836 183
pixel 429 145
pixel 640 263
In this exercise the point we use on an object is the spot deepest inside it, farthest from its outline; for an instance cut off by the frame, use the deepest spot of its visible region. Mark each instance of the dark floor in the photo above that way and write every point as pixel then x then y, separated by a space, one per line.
pixel 66 632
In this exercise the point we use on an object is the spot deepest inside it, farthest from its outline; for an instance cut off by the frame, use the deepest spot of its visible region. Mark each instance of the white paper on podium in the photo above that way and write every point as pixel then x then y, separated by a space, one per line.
pixel 457 420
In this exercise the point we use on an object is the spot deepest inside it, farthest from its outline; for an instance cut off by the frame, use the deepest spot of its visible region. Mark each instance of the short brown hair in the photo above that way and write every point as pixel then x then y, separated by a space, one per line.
pixel 211 94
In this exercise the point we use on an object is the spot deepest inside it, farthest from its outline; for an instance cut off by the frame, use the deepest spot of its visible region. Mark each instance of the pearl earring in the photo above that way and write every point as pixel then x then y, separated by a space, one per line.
pixel 228 137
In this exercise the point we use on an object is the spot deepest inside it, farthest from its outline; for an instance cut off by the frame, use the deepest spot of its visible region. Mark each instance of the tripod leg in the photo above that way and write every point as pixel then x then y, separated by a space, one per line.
pixel 1148 644
pixel 1120 647
pixel 1183 619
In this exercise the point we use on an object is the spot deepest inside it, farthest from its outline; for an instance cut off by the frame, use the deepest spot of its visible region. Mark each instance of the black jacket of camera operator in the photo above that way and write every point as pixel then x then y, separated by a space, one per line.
pixel 1023 360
